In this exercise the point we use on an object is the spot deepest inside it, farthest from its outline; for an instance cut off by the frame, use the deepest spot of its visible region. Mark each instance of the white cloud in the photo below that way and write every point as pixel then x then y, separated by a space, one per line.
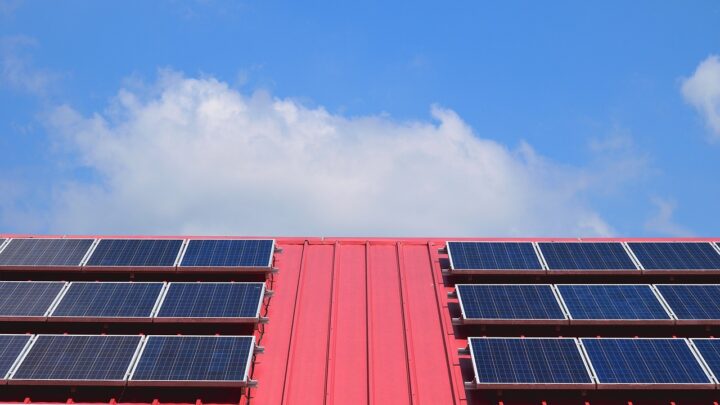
pixel 662 221
pixel 195 156
pixel 17 70
pixel 702 91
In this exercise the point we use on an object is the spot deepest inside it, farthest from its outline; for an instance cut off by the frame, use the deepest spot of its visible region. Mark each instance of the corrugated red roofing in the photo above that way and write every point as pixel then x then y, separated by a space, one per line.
pixel 357 320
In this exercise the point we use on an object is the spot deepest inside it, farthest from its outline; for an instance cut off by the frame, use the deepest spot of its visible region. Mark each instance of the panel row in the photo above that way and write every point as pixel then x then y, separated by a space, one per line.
pixel 130 301
pixel 584 257
pixel 124 359
pixel 136 254
pixel 588 363
pixel 583 304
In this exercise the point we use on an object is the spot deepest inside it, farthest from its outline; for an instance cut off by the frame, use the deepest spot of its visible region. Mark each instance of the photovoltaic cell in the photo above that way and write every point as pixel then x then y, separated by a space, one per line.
pixel 212 300
pixel 78 358
pixel 45 252
pixel 528 361
pixel 493 256
pixel 692 301
pixel 709 350
pixel 10 348
pixel 194 358
pixel 644 361
pixel 108 300
pixel 509 301
pixel 27 298
pixel 612 302
pixel 586 256
pixel 228 253
pixel 135 253
pixel 676 255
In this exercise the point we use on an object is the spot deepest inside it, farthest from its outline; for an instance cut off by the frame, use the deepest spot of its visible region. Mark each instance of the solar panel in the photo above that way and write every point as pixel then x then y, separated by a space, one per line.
pixel 493 303
pixel 194 360
pixel 676 255
pixel 107 301
pixel 135 253
pixel 692 303
pixel 212 302
pixel 709 350
pixel 528 363
pixel 651 363
pixel 42 253
pixel 251 254
pixel 11 346
pixel 27 300
pixel 77 360
pixel 612 302
pixel 488 256
pixel 586 256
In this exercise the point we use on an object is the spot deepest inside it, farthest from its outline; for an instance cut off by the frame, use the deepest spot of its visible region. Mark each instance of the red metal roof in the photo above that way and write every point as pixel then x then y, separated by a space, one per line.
pixel 356 320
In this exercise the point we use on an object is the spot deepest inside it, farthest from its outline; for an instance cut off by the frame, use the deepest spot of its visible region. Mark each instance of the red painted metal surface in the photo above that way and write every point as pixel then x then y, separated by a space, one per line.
pixel 356 320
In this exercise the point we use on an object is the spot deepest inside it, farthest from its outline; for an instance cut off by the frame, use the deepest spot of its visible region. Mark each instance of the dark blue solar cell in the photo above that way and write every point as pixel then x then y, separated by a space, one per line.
pixel 528 361
pixel 603 301
pixel 212 300
pixel 709 350
pixel 44 252
pixel 108 300
pixel 78 358
pixel 692 301
pixel 586 256
pixel 676 255
pixel 493 256
pixel 644 361
pixel 135 253
pixel 228 253
pixel 10 348
pixel 506 301
pixel 27 298
pixel 194 358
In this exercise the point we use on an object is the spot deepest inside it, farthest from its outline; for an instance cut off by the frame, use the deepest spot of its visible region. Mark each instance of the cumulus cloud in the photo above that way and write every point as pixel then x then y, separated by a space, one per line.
pixel 17 70
pixel 702 91
pixel 195 156
pixel 662 221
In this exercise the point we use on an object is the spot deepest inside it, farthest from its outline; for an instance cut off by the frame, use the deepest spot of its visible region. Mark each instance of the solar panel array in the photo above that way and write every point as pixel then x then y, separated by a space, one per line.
pixel 586 256
pixel 212 300
pixel 612 302
pixel 511 302
pixel 228 253
pixel 185 359
pixel 44 252
pixel 137 254
pixel 108 300
pixel 676 255
pixel 493 255
pixel 27 299
pixel 115 359
pixel 692 302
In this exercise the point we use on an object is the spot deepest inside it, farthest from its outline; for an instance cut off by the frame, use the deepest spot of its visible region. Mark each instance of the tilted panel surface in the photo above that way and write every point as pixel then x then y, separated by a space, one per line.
pixel 618 302
pixel 676 255
pixel 643 361
pixel 508 301
pixel 78 358
pixel 28 298
pixel 528 361
pixel 228 253
pixel 586 256
pixel 44 252
pixel 108 300
pixel 709 350
pixel 692 301
pixel 194 358
pixel 10 348
pixel 135 252
pixel 493 256
pixel 211 300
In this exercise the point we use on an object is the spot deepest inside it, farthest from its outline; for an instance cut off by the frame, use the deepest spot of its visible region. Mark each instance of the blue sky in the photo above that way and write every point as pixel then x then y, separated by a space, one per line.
pixel 594 110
